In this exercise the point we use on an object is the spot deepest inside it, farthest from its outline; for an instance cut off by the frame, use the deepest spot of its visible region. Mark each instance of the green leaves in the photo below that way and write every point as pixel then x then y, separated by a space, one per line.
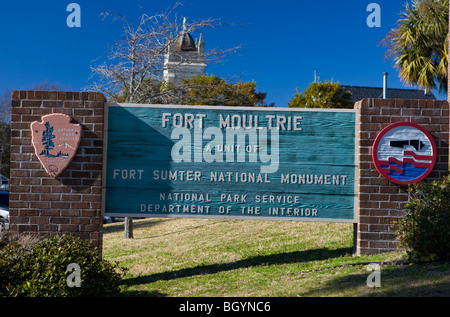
pixel 39 269
pixel 215 91
pixel 322 95
pixel 419 44
pixel 425 231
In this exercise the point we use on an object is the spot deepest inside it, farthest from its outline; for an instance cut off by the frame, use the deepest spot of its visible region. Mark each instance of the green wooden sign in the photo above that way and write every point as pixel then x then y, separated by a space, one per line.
pixel 227 162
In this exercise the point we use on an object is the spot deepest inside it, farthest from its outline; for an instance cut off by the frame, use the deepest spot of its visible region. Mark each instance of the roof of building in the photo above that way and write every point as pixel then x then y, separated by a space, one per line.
pixel 185 42
pixel 359 93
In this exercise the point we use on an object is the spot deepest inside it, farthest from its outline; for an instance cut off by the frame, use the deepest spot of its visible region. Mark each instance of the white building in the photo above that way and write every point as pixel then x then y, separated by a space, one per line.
pixel 185 58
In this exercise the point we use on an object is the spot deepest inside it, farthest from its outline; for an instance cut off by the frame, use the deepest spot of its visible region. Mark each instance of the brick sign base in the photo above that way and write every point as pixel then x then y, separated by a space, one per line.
pixel 380 203
pixel 72 201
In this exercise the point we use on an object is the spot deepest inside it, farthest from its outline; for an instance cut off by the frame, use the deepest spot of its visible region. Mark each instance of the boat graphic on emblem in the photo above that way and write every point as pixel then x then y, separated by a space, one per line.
pixel 404 153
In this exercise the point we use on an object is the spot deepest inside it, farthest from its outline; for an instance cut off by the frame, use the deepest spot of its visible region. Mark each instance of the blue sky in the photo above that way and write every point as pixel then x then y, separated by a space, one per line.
pixel 282 41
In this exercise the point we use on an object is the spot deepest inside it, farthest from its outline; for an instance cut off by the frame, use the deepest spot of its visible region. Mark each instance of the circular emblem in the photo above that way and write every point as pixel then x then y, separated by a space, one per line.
pixel 404 153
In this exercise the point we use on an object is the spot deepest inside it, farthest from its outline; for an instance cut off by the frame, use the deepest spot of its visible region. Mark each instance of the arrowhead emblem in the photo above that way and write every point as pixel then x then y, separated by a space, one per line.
pixel 55 141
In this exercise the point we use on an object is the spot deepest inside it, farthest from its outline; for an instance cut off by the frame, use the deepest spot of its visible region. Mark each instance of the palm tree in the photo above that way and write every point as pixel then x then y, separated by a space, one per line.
pixel 419 44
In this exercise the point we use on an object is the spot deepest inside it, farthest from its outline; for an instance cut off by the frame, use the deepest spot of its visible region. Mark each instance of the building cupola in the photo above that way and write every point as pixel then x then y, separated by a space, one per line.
pixel 184 42
pixel 184 57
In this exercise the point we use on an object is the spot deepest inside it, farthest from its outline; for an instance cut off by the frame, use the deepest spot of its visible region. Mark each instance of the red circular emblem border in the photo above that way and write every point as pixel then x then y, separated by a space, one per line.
pixel 375 152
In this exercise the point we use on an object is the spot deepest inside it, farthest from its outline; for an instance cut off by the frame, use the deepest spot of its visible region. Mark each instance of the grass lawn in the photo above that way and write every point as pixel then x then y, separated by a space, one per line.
pixel 205 257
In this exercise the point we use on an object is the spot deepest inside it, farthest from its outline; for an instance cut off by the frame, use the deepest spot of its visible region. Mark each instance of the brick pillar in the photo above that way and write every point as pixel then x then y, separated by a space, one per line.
pixel 70 203
pixel 381 203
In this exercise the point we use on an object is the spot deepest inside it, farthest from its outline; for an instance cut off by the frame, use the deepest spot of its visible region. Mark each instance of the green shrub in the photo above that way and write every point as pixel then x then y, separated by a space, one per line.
pixel 37 268
pixel 425 231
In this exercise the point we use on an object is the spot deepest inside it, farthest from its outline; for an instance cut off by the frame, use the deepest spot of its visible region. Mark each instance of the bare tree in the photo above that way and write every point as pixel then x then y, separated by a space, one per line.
pixel 5 106
pixel 134 65
pixel 5 118
pixel 5 126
